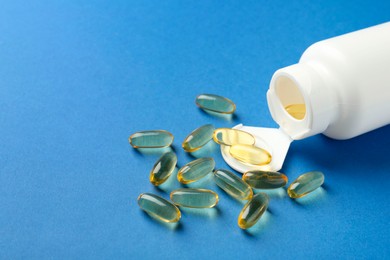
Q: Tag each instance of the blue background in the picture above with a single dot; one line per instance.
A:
(78, 77)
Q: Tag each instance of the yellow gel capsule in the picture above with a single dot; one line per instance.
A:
(265, 179)
(163, 168)
(228, 136)
(195, 170)
(250, 154)
(298, 111)
(305, 184)
(253, 210)
(194, 198)
(233, 185)
(158, 207)
(151, 139)
(198, 138)
(215, 103)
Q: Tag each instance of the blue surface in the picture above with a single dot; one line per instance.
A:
(78, 77)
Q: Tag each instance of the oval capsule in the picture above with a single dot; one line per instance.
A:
(228, 136)
(298, 111)
(194, 198)
(233, 185)
(215, 103)
(163, 168)
(159, 207)
(305, 184)
(250, 154)
(198, 138)
(195, 170)
(253, 210)
(265, 179)
(151, 139)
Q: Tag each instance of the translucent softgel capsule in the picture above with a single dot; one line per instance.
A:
(198, 138)
(215, 103)
(253, 210)
(163, 168)
(194, 198)
(250, 154)
(232, 184)
(151, 139)
(195, 170)
(265, 179)
(158, 207)
(298, 111)
(228, 136)
(305, 184)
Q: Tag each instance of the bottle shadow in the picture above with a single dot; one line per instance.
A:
(361, 155)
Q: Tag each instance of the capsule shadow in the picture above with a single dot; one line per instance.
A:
(278, 193)
(260, 226)
(225, 117)
(201, 212)
(316, 196)
(177, 226)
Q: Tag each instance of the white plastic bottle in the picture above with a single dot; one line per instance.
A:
(342, 82)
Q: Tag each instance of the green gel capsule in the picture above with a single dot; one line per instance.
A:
(158, 207)
(228, 136)
(198, 138)
(233, 185)
(195, 170)
(215, 103)
(194, 198)
(151, 139)
(265, 179)
(305, 184)
(163, 168)
(253, 210)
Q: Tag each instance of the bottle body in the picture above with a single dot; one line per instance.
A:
(343, 83)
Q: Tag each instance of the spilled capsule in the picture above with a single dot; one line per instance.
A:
(215, 103)
(198, 138)
(194, 198)
(253, 210)
(265, 179)
(232, 185)
(250, 154)
(298, 111)
(305, 184)
(158, 207)
(163, 168)
(195, 170)
(228, 136)
(151, 139)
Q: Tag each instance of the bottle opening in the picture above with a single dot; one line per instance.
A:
(290, 97)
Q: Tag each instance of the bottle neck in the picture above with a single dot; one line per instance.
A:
(301, 101)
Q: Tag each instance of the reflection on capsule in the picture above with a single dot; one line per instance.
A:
(195, 170)
(253, 210)
(198, 138)
(228, 136)
(305, 184)
(151, 139)
(159, 208)
(232, 184)
(250, 154)
(265, 179)
(194, 198)
(163, 168)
